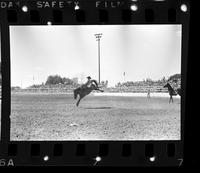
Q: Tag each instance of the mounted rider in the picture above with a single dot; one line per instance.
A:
(89, 82)
(86, 89)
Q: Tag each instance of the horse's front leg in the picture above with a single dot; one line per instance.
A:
(170, 99)
(99, 90)
(78, 101)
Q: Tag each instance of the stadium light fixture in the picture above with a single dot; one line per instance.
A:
(98, 37)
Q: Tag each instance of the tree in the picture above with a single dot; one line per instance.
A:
(163, 79)
(175, 78)
(67, 81)
(75, 80)
(104, 83)
(54, 79)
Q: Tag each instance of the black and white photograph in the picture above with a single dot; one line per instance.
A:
(95, 82)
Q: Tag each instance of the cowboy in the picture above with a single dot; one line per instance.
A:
(87, 84)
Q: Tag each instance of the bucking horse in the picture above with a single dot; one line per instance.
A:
(172, 92)
(84, 91)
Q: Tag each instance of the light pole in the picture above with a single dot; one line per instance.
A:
(98, 36)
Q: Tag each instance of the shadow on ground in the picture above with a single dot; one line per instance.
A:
(98, 107)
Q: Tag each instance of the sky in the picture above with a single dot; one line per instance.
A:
(127, 52)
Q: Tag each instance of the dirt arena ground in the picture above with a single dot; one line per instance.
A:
(55, 117)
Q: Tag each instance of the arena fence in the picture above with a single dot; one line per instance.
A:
(132, 89)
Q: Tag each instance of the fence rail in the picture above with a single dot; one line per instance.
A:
(134, 89)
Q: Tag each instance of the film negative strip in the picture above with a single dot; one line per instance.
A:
(93, 83)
